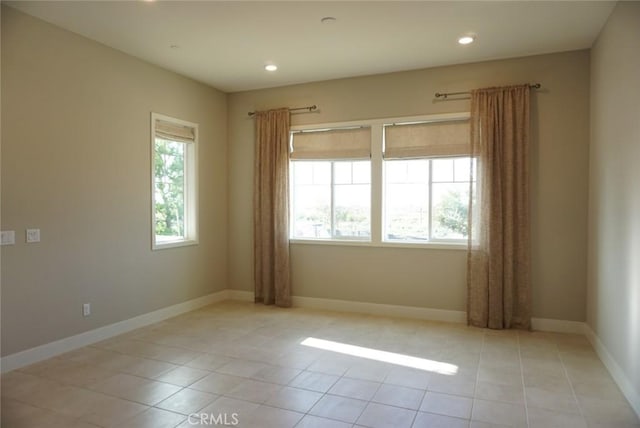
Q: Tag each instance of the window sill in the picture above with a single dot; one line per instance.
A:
(457, 246)
(174, 244)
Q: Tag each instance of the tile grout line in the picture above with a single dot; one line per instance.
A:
(475, 386)
(524, 390)
(573, 391)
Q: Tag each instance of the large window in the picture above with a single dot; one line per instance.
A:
(400, 182)
(174, 186)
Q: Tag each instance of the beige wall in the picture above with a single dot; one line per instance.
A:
(429, 277)
(614, 192)
(76, 164)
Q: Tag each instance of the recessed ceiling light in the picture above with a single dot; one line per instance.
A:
(271, 67)
(465, 40)
(328, 20)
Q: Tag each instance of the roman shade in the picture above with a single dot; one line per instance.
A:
(174, 131)
(346, 143)
(426, 139)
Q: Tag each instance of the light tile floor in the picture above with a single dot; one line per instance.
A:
(246, 365)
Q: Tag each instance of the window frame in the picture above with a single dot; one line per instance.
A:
(332, 188)
(190, 186)
(429, 185)
(378, 185)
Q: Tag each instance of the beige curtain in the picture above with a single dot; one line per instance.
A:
(499, 267)
(271, 208)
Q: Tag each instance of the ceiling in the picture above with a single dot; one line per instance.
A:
(227, 43)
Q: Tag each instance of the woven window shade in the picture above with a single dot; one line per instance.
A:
(175, 132)
(430, 139)
(332, 144)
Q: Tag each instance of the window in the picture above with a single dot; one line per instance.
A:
(384, 182)
(426, 199)
(330, 181)
(331, 199)
(427, 173)
(174, 185)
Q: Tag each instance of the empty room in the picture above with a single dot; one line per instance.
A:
(317, 214)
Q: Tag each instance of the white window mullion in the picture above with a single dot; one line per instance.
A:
(376, 183)
(430, 196)
(333, 198)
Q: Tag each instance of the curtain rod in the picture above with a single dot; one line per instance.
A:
(445, 95)
(308, 108)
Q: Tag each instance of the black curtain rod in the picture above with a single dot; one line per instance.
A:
(308, 108)
(445, 95)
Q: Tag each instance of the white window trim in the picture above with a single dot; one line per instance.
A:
(191, 187)
(377, 184)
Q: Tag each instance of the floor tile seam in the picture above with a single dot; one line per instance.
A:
(190, 389)
(524, 391)
(138, 414)
(75, 418)
(397, 406)
(475, 386)
(95, 391)
(573, 391)
(81, 417)
(140, 377)
(144, 357)
(112, 395)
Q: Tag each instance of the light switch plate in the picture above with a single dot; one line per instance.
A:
(8, 237)
(33, 235)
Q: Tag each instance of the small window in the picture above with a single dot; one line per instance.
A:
(174, 182)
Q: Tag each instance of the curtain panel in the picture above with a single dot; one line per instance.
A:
(271, 208)
(498, 263)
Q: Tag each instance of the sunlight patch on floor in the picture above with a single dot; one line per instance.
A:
(384, 356)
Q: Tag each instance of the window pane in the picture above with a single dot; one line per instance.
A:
(406, 200)
(417, 171)
(302, 172)
(462, 168)
(395, 171)
(442, 170)
(362, 172)
(321, 172)
(312, 211)
(169, 194)
(342, 172)
(352, 210)
(311, 202)
(450, 210)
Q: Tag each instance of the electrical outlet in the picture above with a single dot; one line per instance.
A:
(33, 235)
(86, 309)
(8, 237)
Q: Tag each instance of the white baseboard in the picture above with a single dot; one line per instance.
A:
(380, 309)
(618, 375)
(241, 295)
(557, 326)
(48, 350)
(39, 353)
(430, 314)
